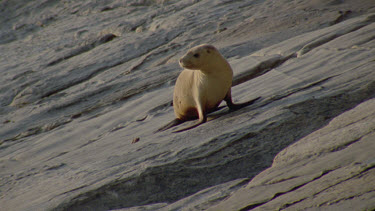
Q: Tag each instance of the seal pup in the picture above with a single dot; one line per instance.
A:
(203, 84)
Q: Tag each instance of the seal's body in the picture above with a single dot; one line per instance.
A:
(203, 84)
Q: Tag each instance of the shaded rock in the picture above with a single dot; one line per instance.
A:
(332, 168)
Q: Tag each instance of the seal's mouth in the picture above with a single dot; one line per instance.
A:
(186, 64)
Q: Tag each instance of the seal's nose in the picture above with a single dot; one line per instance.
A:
(180, 61)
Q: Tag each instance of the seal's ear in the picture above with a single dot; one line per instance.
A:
(208, 51)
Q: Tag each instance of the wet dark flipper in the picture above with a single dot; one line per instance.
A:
(233, 106)
(200, 121)
(190, 127)
(173, 123)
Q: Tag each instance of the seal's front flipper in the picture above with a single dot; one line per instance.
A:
(201, 120)
(190, 127)
(173, 123)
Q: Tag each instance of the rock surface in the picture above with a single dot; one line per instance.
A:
(86, 83)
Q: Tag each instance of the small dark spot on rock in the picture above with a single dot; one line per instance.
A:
(135, 140)
(221, 30)
(342, 16)
(107, 38)
(141, 119)
(74, 116)
(106, 9)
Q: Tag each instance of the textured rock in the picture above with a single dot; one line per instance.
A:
(85, 84)
(330, 169)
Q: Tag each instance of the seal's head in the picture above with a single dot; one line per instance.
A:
(201, 57)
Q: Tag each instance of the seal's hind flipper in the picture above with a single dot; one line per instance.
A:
(233, 106)
(173, 123)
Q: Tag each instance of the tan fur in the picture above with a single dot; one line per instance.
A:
(203, 84)
(205, 81)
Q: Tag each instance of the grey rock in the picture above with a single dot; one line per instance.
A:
(331, 169)
(80, 80)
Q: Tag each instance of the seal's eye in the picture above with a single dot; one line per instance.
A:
(196, 55)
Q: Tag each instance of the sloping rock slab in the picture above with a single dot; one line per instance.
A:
(85, 85)
(331, 169)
